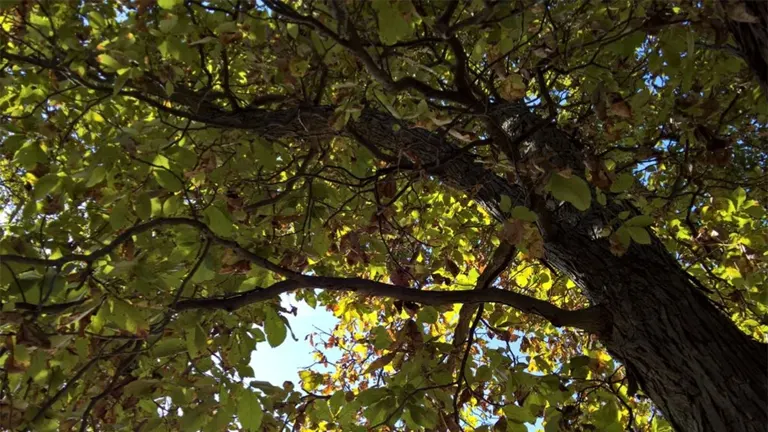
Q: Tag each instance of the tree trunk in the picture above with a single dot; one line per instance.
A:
(699, 369)
(748, 23)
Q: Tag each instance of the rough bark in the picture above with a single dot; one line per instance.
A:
(694, 363)
(748, 23)
(700, 370)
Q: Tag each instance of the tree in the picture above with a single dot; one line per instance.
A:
(518, 210)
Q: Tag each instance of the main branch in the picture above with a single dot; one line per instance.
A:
(590, 319)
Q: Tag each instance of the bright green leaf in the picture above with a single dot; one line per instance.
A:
(274, 327)
(249, 411)
(169, 4)
(45, 184)
(97, 176)
(571, 189)
(219, 222)
(167, 180)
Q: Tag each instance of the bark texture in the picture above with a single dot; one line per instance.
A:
(748, 23)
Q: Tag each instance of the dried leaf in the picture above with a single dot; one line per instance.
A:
(30, 334)
(621, 109)
(380, 362)
(513, 231)
(400, 277)
(513, 87)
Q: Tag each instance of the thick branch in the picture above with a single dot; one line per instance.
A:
(587, 319)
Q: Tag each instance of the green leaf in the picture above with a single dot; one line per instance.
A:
(392, 26)
(118, 216)
(120, 82)
(639, 221)
(293, 30)
(109, 61)
(143, 206)
(128, 317)
(320, 244)
(45, 184)
(168, 4)
(518, 414)
(218, 221)
(608, 416)
(167, 180)
(249, 411)
(523, 214)
(639, 235)
(168, 23)
(422, 417)
(168, 347)
(739, 195)
(171, 205)
(97, 176)
(274, 327)
(622, 183)
(505, 204)
(483, 373)
(321, 411)
(336, 401)
(29, 155)
(428, 314)
(571, 189)
(196, 340)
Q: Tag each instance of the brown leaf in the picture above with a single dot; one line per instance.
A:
(238, 268)
(11, 317)
(411, 307)
(616, 246)
(465, 396)
(380, 362)
(513, 87)
(30, 334)
(400, 277)
(128, 250)
(386, 188)
(621, 109)
(534, 242)
(12, 367)
(500, 425)
(228, 38)
(512, 232)
(452, 266)
(413, 333)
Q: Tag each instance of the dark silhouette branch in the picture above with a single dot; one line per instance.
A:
(590, 319)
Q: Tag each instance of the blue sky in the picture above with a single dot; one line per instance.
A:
(277, 365)
(283, 363)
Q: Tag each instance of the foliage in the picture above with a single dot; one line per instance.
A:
(161, 201)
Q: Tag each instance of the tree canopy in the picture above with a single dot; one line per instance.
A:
(501, 201)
